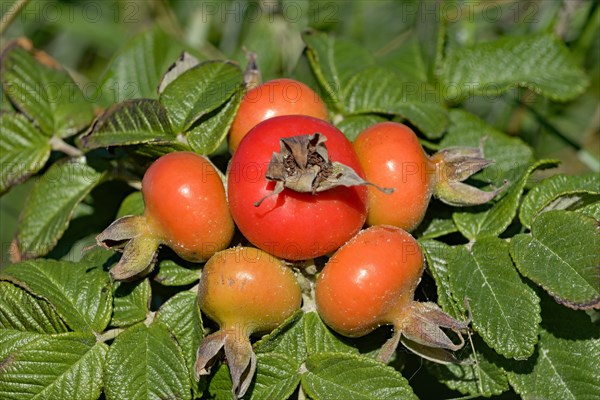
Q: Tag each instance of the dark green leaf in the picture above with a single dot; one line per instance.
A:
(334, 61)
(44, 92)
(352, 125)
(80, 293)
(47, 211)
(566, 364)
(506, 312)
(67, 366)
(277, 377)
(146, 363)
(136, 71)
(207, 136)
(23, 312)
(539, 62)
(288, 339)
(23, 150)
(198, 91)
(172, 274)
(319, 338)
(559, 192)
(438, 227)
(130, 122)
(346, 376)
(495, 220)
(131, 302)
(378, 90)
(561, 255)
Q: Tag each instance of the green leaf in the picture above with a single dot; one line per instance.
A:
(334, 61)
(559, 192)
(51, 203)
(137, 69)
(207, 136)
(67, 366)
(566, 365)
(131, 302)
(172, 274)
(438, 255)
(353, 125)
(80, 293)
(276, 377)
(133, 204)
(438, 227)
(288, 339)
(24, 150)
(319, 338)
(495, 220)
(146, 363)
(506, 311)
(565, 262)
(181, 315)
(198, 91)
(130, 122)
(378, 90)
(44, 92)
(346, 376)
(11, 340)
(23, 312)
(481, 374)
(541, 63)
(219, 386)
(511, 155)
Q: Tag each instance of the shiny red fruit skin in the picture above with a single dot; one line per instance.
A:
(185, 205)
(391, 156)
(292, 225)
(370, 281)
(271, 99)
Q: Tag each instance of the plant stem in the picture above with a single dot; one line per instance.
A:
(60, 145)
(11, 14)
(109, 335)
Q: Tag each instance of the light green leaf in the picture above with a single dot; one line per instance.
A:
(493, 221)
(181, 315)
(207, 136)
(334, 61)
(378, 90)
(287, 339)
(11, 340)
(131, 302)
(130, 122)
(137, 69)
(67, 366)
(276, 377)
(23, 312)
(146, 363)
(44, 92)
(565, 262)
(559, 192)
(319, 338)
(541, 63)
(80, 292)
(566, 364)
(219, 386)
(198, 91)
(353, 125)
(481, 374)
(506, 312)
(133, 204)
(51, 203)
(346, 376)
(24, 150)
(438, 255)
(172, 274)
(511, 155)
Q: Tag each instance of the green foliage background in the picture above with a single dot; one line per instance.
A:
(523, 74)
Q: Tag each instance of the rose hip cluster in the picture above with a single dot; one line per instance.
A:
(297, 189)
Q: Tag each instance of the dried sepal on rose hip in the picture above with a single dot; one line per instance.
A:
(391, 155)
(185, 208)
(371, 281)
(246, 291)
